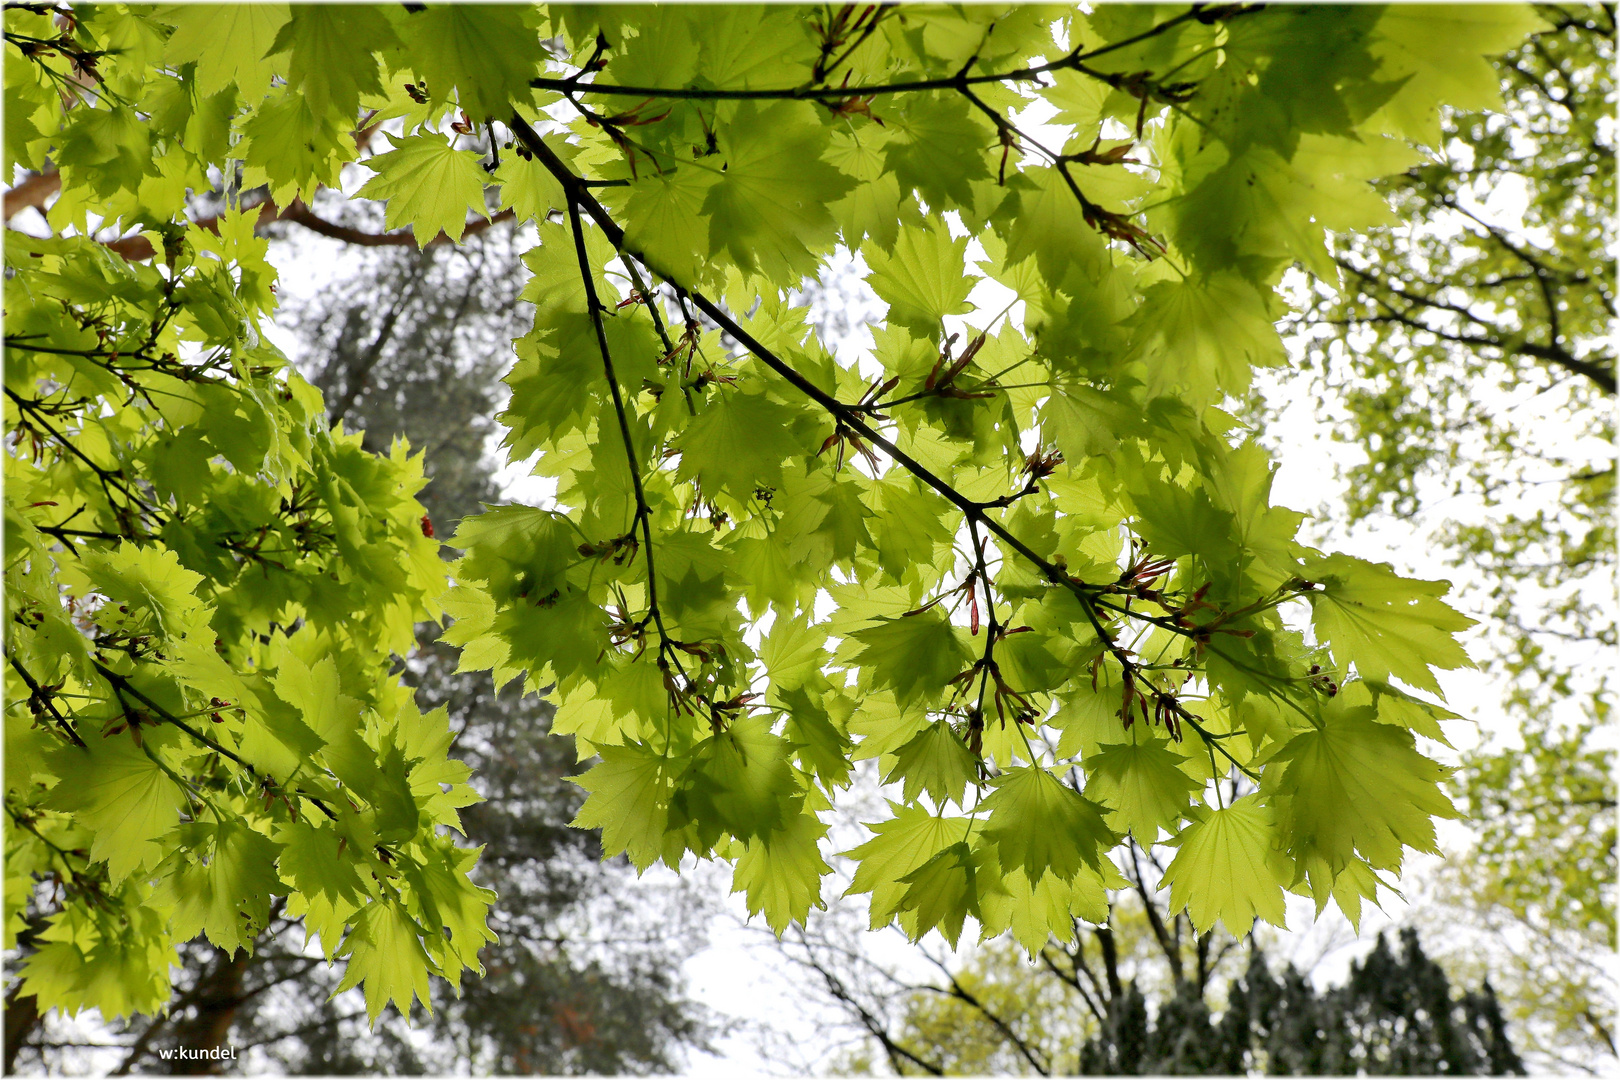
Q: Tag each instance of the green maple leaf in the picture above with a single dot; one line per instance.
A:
(1251, 213)
(664, 220)
(821, 744)
(663, 54)
(935, 761)
(693, 582)
(516, 551)
(115, 969)
(1229, 867)
(924, 279)
(429, 185)
(1036, 912)
(1176, 522)
(759, 46)
(872, 210)
(1438, 53)
(793, 651)
(780, 873)
(488, 52)
(144, 580)
(629, 792)
(768, 211)
(385, 954)
(123, 797)
(899, 846)
(737, 443)
(230, 43)
(1397, 707)
(1204, 337)
(739, 781)
(1385, 624)
(333, 717)
(227, 896)
(312, 862)
(563, 634)
(1088, 717)
(528, 188)
(1038, 823)
(332, 47)
(1142, 784)
(452, 906)
(939, 149)
(1079, 101)
(915, 655)
(910, 526)
(294, 149)
(1050, 225)
(941, 893)
(1355, 786)
(1082, 420)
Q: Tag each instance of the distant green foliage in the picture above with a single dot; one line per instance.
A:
(1040, 532)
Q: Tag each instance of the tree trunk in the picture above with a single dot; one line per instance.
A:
(22, 1017)
(209, 1027)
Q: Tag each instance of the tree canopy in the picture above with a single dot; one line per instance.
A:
(1023, 557)
(585, 975)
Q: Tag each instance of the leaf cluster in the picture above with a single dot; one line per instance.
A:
(1026, 561)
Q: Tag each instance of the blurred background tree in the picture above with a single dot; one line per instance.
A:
(586, 975)
(1117, 1002)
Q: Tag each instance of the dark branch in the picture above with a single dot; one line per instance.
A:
(851, 418)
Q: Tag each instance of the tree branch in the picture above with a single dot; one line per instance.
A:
(962, 993)
(643, 511)
(851, 418)
(39, 694)
(1171, 952)
(1073, 61)
(32, 192)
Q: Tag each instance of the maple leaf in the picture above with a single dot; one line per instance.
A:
(1385, 624)
(1038, 823)
(450, 46)
(429, 185)
(916, 655)
(123, 796)
(226, 893)
(1355, 786)
(739, 781)
(1228, 866)
(386, 959)
(935, 761)
(331, 51)
(899, 846)
(769, 209)
(627, 802)
(780, 873)
(1141, 784)
(923, 278)
(230, 43)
